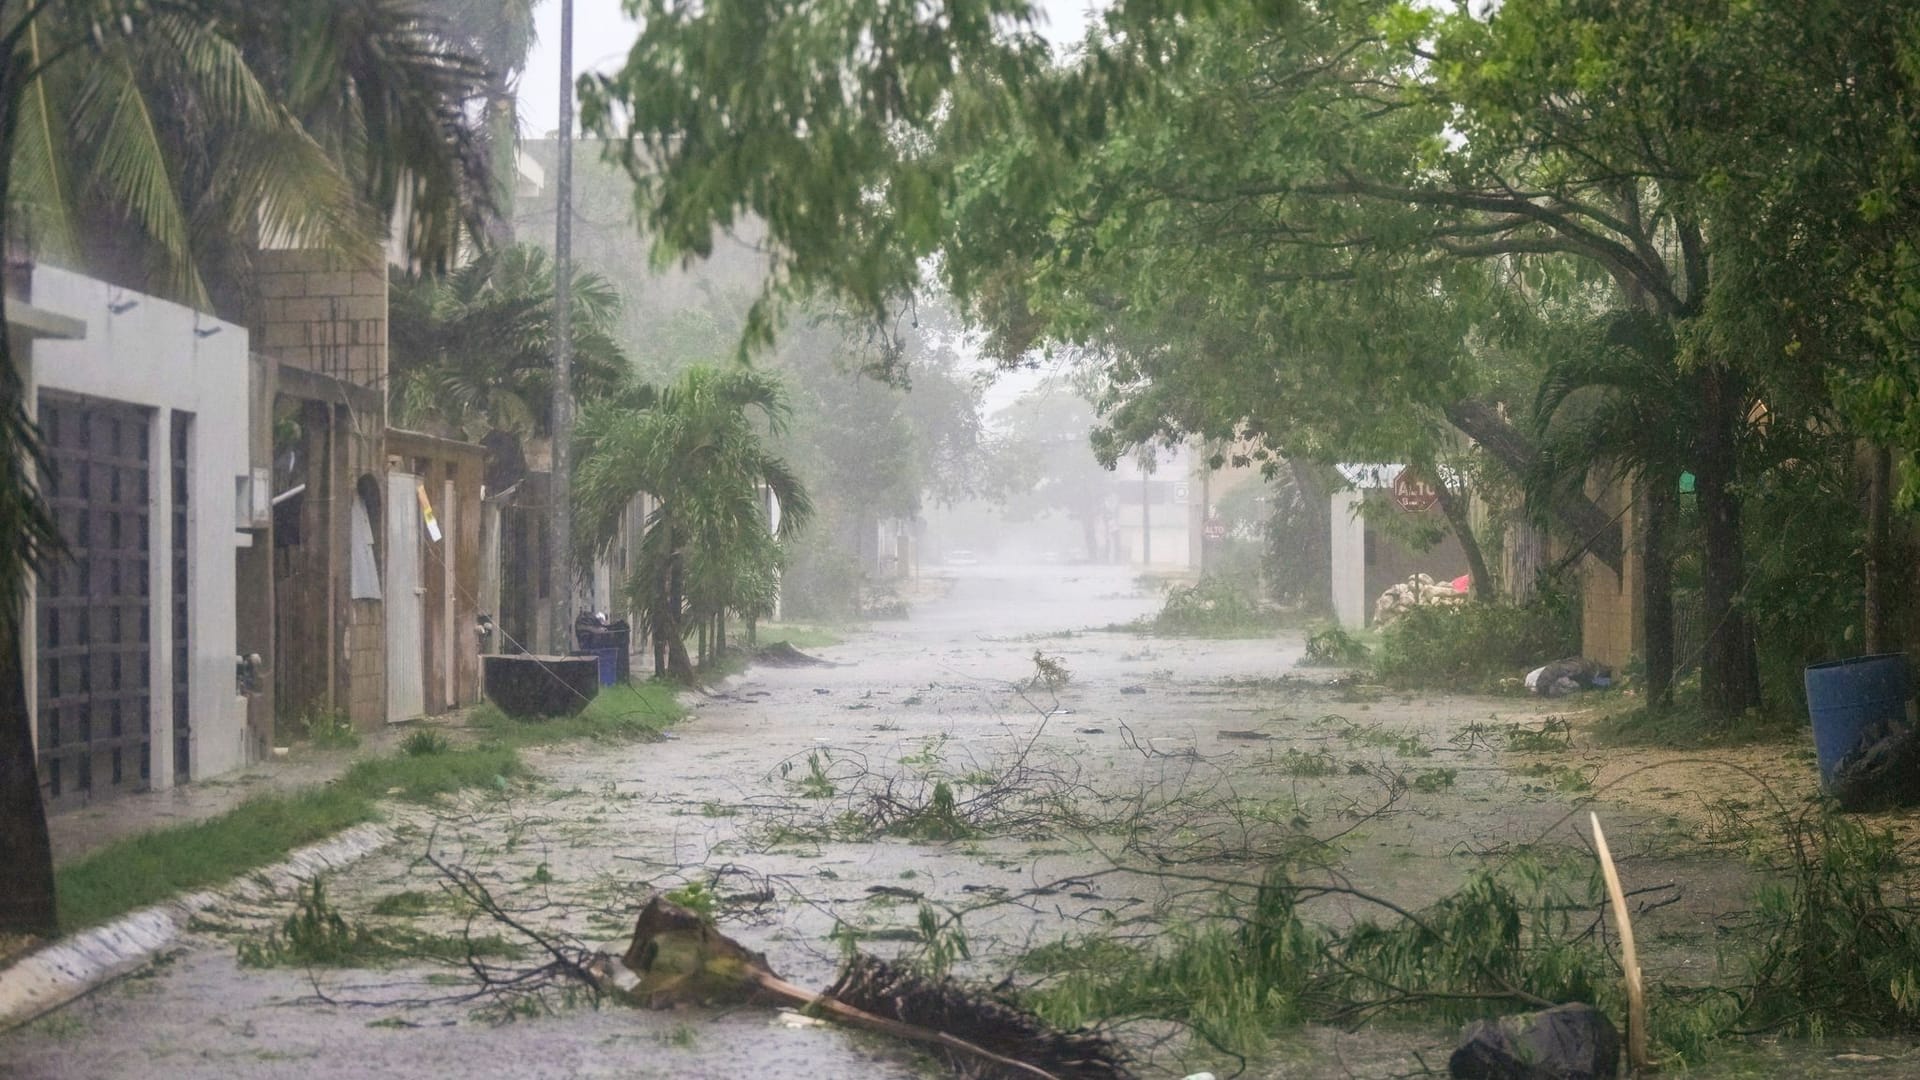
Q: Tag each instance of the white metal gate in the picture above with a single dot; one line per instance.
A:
(406, 685)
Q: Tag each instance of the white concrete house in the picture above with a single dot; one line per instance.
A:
(130, 662)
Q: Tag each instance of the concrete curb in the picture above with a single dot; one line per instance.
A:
(58, 973)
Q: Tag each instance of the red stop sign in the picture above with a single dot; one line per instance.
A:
(1413, 493)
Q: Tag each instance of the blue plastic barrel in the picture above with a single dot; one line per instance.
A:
(609, 665)
(1847, 697)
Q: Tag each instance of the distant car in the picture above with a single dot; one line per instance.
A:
(961, 557)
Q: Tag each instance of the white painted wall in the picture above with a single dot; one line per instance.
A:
(1349, 547)
(150, 354)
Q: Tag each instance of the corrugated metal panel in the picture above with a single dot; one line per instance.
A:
(406, 684)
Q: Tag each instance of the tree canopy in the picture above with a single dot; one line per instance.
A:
(1345, 228)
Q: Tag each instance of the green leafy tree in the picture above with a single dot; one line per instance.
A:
(698, 449)
(880, 428)
(1365, 196)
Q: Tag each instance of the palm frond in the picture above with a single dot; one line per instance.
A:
(40, 180)
(128, 163)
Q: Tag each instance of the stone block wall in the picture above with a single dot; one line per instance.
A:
(321, 313)
(365, 649)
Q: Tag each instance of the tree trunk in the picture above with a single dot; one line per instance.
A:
(720, 634)
(679, 664)
(27, 886)
(657, 630)
(658, 626)
(1525, 555)
(1589, 527)
(1877, 614)
(1656, 584)
(1454, 505)
(1726, 676)
(26, 889)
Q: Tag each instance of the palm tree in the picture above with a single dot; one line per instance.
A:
(167, 159)
(697, 447)
(500, 33)
(472, 353)
(1618, 407)
(197, 126)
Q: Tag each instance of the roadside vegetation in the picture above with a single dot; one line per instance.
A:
(638, 711)
(152, 866)
(317, 934)
(1475, 647)
(1828, 951)
(799, 635)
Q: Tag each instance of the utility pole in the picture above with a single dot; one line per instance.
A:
(561, 487)
(1146, 515)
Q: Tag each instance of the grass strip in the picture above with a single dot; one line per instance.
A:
(148, 867)
(619, 713)
(798, 635)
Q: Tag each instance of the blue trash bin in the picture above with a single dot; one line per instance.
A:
(609, 665)
(1847, 697)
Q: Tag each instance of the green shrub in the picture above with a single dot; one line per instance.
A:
(821, 581)
(1214, 606)
(1334, 647)
(424, 743)
(1474, 646)
(1838, 942)
(328, 730)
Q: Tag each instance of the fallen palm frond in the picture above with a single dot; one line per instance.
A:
(875, 986)
(677, 957)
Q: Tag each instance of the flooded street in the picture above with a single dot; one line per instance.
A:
(1118, 797)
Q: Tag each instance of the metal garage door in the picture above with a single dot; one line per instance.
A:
(93, 611)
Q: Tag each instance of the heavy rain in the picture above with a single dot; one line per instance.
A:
(1079, 539)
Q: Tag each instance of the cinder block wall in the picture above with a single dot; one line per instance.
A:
(322, 313)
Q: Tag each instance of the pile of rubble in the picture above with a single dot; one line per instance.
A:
(1420, 590)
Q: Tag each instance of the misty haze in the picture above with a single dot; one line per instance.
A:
(1029, 539)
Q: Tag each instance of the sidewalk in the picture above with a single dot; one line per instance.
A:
(77, 833)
